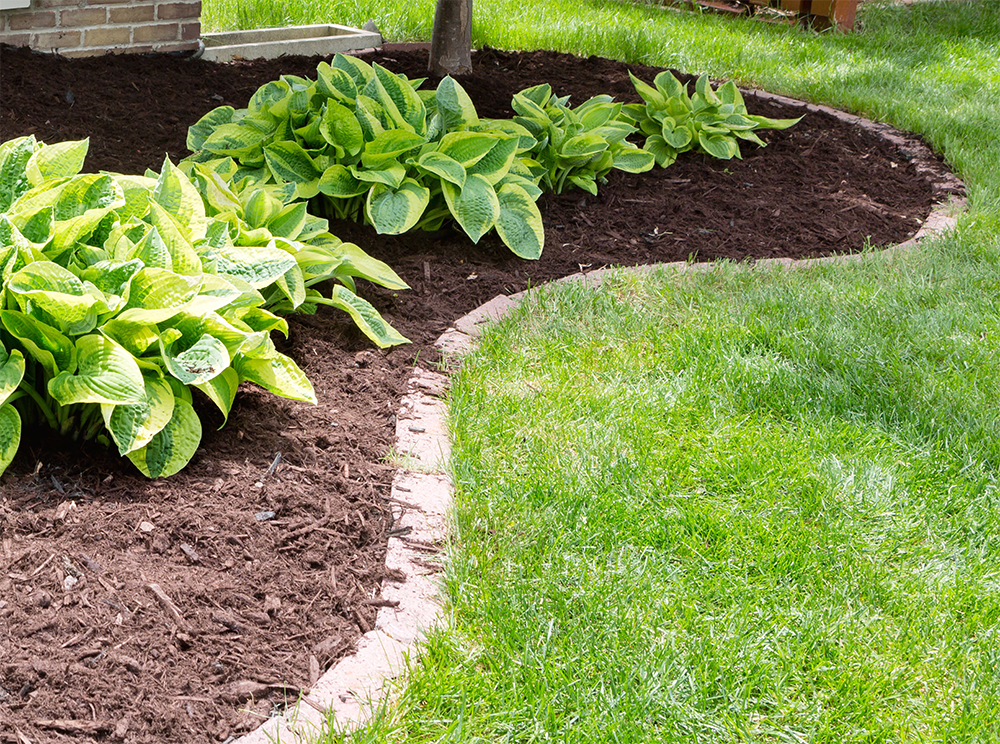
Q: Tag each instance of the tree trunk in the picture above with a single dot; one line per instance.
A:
(451, 40)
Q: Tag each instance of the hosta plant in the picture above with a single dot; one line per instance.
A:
(121, 295)
(577, 146)
(711, 121)
(365, 143)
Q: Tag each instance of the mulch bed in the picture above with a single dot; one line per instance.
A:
(190, 609)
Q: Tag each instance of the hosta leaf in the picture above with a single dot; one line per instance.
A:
(107, 373)
(664, 154)
(10, 435)
(442, 166)
(11, 372)
(475, 206)
(289, 222)
(394, 211)
(157, 295)
(764, 123)
(14, 157)
(453, 103)
(520, 223)
(366, 317)
(391, 175)
(58, 293)
(359, 70)
(387, 146)
(278, 374)
(678, 138)
(268, 96)
(133, 426)
(136, 338)
(203, 128)
(112, 277)
(61, 160)
(182, 253)
(339, 182)
(652, 96)
(355, 262)
(258, 266)
(221, 390)
(467, 148)
(583, 146)
(400, 100)
(669, 85)
(369, 115)
(260, 207)
(178, 196)
(703, 87)
(138, 192)
(339, 126)
(241, 139)
(173, 446)
(632, 159)
(198, 363)
(584, 181)
(151, 251)
(723, 147)
(292, 285)
(335, 83)
(46, 345)
(497, 162)
(289, 162)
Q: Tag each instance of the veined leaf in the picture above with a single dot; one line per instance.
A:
(258, 266)
(335, 83)
(359, 70)
(173, 446)
(133, 426)
(289, 162)
(394, 211)
(366, 317)
(10, 435)
(392, 174)
(400, 100)
(11, 372)
(289, 222)
(292, 284)
(203, 128)
(467, 148)
(632, 160)
(277, 373)
(182, 253)
(157, 295)
(339, 182)
(14, 157)
(58, 292)
(453, 103)
(520, 223)
(388, 145)
(46, 345)
(442, 166)
(723, 146)
(476, 206)
(260, 207)
(136, 338)
(198, 363)
(221, 390)
(61, 160)
(339, 126)
(497, 162)
(355, 262)
(107, 373)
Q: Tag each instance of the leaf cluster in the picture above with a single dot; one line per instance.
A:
(371, 145)
(120, 295)
(577, 146)
(710, 121)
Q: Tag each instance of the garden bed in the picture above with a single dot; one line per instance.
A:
(270, 544)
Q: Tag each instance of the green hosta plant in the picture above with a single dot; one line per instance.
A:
(577, 146)
(120, 295)
(369, 145)
(711, 121)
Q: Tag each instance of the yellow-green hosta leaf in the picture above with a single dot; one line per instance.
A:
(632, 160)
(475, 207)
(240, 139)
(46, 345)
(664, 154)
(388, 146)
(173, 446)
(35, 225)
(11, 372)
(278, 374)
(134, 337)
(14, 157)
(203, 128)
(221, 390)
(10, 435)
(352, 261)
(467, 148)
(289, 222)
(340, 183)
(292, 284)
(400, 101)
(133, 426)
(258, 266)
(216, 292)
(61, 160)
(369, 115)
(107, 373)
(453, 103)
(366, 317)
(58, 293)
(668, 85)
(678, 138)
(719, 146)
(289, 162)
(394, 211)
(197, 364)
(179, 197)
(442, 166)
(339, 127)
(260, 207)
(359, 70)
(335, 83)
(182, 253)
(497, 162)
(151, 251)
(520, 223)
(157, 295)
(392, 175)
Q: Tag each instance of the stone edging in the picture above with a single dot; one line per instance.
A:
(421, 493)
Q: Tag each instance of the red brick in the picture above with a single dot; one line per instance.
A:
(57, 40)
(17, 40)
(24, 21)
(135, 14)
(105, 37)
(84, 17)
(55, 3)
(191, 31)
(176, 11)
(158, 32)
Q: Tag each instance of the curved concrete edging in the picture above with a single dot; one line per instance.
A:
(421, 495)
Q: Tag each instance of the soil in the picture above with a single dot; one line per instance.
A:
(190, 609)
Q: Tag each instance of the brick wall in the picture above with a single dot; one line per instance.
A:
(77, 28)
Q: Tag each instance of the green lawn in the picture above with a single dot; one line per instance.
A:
(735, 505)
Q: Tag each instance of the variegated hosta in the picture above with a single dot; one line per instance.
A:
(119, 295)
(370, 145)
(711, 121)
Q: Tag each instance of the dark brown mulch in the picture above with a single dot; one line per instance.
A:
(268, 569)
